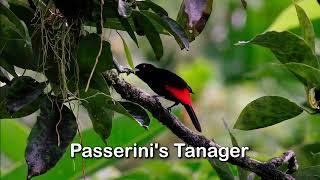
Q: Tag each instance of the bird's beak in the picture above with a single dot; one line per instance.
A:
(136, 69)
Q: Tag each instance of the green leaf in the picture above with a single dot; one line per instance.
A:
(49, 138)
(101, 106)
(128, 28)
(87, 52)
(138, 112)
(128, 53)
(309, 173)
(172, 27)
(13, 135)
(288, 18)
(308, 154)
(150, 32)
(146, 5)
(286, 46)
(100, 115)
(22, 10)
(8, 67)
(308, 73)
(266, 111)
(23, 91)
(193, 16)
(222, 169)
(71, 168)
(15, 42)
(306, 27)
(243, 174)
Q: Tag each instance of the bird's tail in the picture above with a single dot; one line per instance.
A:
(193, 117)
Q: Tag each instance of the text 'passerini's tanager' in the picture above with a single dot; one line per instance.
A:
(170, 86)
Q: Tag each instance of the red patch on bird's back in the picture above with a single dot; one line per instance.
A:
(182, 95)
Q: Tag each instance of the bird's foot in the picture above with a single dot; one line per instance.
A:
(169, 108)
(122, 69)
(157, 96)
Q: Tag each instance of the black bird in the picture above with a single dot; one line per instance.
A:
(170, 86)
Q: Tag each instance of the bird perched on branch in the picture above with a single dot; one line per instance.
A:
(170, 86)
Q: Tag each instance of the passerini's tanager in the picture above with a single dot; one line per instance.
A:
(170, 86)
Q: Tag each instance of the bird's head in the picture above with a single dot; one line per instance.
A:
(144, 70)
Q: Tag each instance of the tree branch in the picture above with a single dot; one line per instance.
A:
(267, 170)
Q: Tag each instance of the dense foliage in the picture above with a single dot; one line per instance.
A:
(55, 39)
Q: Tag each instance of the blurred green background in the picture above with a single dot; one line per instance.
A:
(224, 77)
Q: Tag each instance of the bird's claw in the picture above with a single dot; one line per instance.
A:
(156, 96)
(169, 108)
(127, 71)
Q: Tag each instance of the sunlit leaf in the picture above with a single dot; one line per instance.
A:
(49, 138)
(13, 135)
(306, 27)
(128, 53)
(193, 16)
(308, 73)
(288, 18)
(266, 111)
(286, 46)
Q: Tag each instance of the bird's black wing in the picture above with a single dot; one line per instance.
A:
(170, 78)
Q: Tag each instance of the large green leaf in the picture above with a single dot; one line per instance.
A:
(193, 16)
(23, 91)
(100, 115)
(87, 52)
(138, 112)
(69, 168)
(13, 136)
(8, 67)
(22, 10)
(49, 138)
(266, 111)
(128, 27)
(288, 18)
(28, 104)
(306, 27)
(146, 5)
(15, 42)
(172, 27)
(308, 73)
(286, 46)
(150, 31)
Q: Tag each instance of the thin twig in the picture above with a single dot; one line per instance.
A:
(101, 45)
